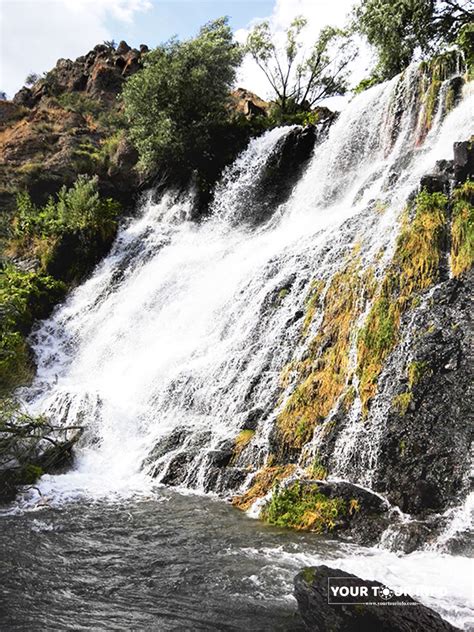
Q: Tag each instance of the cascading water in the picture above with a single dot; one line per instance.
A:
(183, 329)
(181, 335)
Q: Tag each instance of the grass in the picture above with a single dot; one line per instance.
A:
(241, 442)
(313, 302)
(303, 508)
(323, 375)
(262, 484)
(414, 268)
(462, 228)
(402, 402)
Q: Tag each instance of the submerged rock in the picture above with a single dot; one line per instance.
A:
(312, 594)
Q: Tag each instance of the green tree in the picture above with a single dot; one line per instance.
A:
(177, 101)
(401, 29)
(300, 81)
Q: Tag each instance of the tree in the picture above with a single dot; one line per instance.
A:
(177, 101)
(3, 96)
(31, 79)
(400, 30)
(300, 81)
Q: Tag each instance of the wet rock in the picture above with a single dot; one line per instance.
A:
(28, 451)
(464, 160)
(409, 536)
(252, 419)
(311, 592)
(435, 183)
(425, 451)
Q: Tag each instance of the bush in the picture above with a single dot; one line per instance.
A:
(76, 209)
(176, 104)
(24, 297)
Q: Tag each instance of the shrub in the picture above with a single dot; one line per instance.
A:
(78, 208)
(24, 297)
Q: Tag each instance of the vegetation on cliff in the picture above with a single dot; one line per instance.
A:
(64, 238)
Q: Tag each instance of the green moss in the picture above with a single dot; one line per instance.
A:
(263, 483)
(414, 268)
(416, 372)
(323, 375)
(313, 301)
(402, 402)
(304, 508)
(316, 470)
(241, 441)
(309, 575)
(462, 228)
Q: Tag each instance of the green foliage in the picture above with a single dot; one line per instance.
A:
(398, 29)
(24, 297)
(367, 83)
(416, 372)
(303, 507)
(78, 208)
(316, 470)
(176, 104)
(31, 79)
(300, 80)
(465, 41)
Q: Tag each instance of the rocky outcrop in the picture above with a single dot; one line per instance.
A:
(312, 594)
(368, 515)
(247, 103)
(426, 447)
(99, 74)
(68, 123)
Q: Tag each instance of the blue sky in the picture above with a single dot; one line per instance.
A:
(184, 17)
(34, 34)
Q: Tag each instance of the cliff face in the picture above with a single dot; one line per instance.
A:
(70, 122)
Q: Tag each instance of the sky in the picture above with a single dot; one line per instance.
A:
(34, 34)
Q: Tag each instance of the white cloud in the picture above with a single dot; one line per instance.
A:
(319, 13)
(36, 33)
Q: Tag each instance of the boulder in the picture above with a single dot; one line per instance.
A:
(312, 595)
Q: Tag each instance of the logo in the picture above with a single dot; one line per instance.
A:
(352, 590)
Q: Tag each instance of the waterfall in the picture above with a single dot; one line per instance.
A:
(179, 339)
